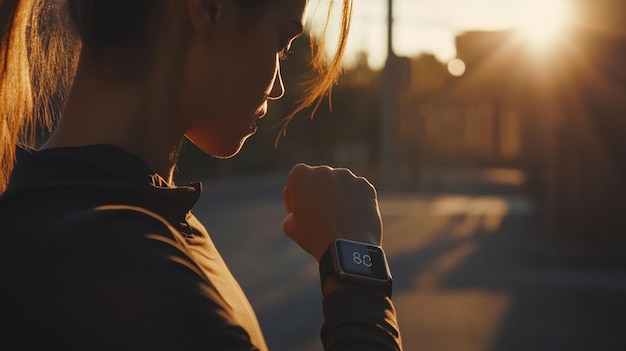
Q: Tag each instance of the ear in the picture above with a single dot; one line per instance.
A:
(205, 14)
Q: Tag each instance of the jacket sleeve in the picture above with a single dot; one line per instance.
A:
(359, 320)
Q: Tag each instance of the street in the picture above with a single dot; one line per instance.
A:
(471, 270)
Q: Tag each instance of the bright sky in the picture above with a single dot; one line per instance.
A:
(431, 25)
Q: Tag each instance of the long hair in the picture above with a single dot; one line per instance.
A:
(324, 75)
(16, 98)
(39, 49)
(38, 53)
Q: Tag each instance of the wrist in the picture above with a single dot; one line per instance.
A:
(331, 285)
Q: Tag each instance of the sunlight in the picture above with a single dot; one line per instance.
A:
(541, 22)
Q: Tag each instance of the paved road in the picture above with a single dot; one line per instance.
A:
(471, 271)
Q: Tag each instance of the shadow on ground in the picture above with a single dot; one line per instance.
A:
(488, 277)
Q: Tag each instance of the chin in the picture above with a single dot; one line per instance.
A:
(226, 145)
(224, 151)
(224, 155)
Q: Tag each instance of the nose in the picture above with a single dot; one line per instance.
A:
(278, 89)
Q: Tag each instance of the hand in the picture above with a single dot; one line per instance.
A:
(325, 203)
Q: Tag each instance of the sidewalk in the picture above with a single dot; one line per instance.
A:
(475, 272)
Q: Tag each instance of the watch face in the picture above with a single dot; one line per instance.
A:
(361, 259)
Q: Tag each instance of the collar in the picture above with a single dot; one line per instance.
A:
(111, 173)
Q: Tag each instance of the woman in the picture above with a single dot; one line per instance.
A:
(99, 247)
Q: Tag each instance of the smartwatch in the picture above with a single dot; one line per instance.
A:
(358, 264)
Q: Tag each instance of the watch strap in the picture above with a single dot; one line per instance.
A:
(327, 267)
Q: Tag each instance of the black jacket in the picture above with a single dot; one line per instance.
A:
(98, 253)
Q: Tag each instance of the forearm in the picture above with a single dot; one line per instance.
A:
(358, 319)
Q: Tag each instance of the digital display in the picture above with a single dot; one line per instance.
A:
(361, 259)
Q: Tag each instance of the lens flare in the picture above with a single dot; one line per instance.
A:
(456, 67)
(542, 22)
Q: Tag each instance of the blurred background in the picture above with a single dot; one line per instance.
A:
(495, 132)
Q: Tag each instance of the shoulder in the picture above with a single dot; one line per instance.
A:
(128, 247)
(126, 272)
(120, 247)
(116, 235)
(119, 218)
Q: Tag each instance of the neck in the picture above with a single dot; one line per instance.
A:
(138, 115)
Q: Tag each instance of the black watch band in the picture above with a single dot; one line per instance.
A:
(357, 264)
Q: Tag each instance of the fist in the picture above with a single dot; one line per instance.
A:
(325, 203)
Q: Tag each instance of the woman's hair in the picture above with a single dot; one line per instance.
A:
(40, 41)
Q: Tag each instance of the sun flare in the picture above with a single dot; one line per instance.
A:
(541, 22)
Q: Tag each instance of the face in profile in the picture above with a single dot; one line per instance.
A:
(235, 70)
